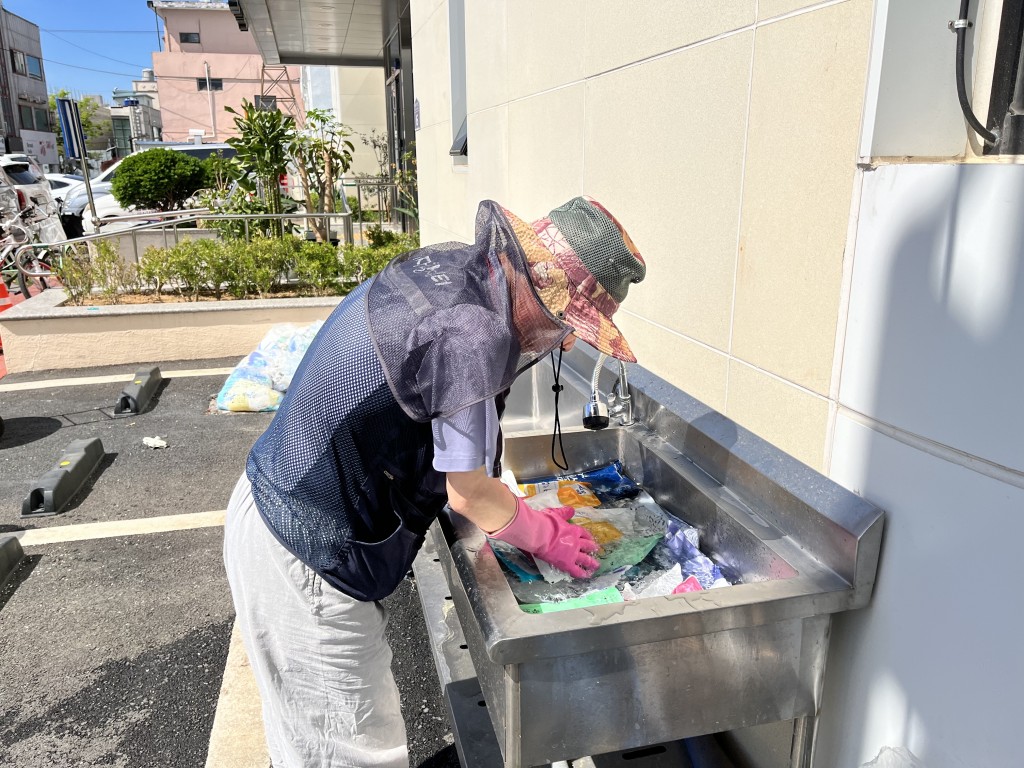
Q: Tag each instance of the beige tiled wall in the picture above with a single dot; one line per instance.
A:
(805, 106)
(360, 99)
(768, 9)
(722, 133)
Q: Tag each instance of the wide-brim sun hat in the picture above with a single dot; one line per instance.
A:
(582, 262)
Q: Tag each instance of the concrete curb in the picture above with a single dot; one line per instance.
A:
(40, 334)
(11, 554)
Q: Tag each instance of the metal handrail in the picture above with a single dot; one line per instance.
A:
(384, 188)
(174, 221)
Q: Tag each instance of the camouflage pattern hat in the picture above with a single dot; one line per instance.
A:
(582, 263)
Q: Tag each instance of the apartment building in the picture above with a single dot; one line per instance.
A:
(26, 114)
(135, 115)
(208, 64)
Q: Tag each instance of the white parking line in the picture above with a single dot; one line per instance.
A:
(112, 528)
(237, 738)
(24, 386)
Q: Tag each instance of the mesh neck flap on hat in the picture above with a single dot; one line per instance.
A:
(454, 324)
(599, 245)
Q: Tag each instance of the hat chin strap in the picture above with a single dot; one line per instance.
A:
(557, 433)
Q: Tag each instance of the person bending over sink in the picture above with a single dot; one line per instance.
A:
(394, 412)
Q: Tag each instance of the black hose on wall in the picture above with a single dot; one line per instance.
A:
(961, 86)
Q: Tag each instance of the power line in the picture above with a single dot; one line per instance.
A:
(102, 31)
(94, 53)
(88, 69)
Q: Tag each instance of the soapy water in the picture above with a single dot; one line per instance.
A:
(645, 550)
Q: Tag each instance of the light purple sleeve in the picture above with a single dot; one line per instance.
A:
(467, 439)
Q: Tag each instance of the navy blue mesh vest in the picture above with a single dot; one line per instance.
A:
(343, 476)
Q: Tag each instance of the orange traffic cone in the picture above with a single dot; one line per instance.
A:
(5, 302)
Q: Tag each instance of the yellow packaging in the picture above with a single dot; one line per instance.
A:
(561, 493)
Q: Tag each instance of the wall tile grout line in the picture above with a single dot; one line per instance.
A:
(682, 48)
(739, 215)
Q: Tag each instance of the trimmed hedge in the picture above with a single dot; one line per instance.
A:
(260, 268)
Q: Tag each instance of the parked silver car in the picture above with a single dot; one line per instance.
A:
(33, 196)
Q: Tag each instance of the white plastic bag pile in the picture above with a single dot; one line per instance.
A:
(259, 381)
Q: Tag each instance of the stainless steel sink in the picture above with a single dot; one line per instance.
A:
(581, 682)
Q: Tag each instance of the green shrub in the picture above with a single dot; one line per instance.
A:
(98, 266)
(160, 179)
(187, 268)
(260, 264)
(219, 171)
(318, 268)
(242, 269)
(378, 237)
(156, 270)
(75, 271)
(363, 262)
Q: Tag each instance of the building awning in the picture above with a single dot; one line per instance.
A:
(328, 32)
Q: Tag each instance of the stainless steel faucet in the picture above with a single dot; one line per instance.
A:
(597, 414)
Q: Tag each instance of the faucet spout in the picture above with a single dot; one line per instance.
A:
(620, 403)
(597, 414)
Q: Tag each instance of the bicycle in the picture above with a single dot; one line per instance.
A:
(15, 237)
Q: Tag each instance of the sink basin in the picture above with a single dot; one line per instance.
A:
(586, 681)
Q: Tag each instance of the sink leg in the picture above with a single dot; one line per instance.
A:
(805, 730)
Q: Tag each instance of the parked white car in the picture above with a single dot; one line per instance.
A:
(74, 215)
(61, 183)
(34, 197)
(107, 207)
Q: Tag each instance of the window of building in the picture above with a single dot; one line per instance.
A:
(27, 121)
(216, 84)
(42, 119)
(18, 62)
(35, 67)
(188, 38)
(268, 103)
(122, 135)
(457, 46)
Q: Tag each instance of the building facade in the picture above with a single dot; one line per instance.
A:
(834, 262)
(355, 95)
(208, 64)
(135, 115)
(26, 115)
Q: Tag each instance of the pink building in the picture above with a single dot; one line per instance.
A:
(207, 64)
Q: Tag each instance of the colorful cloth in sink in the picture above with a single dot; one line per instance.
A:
(609, 483)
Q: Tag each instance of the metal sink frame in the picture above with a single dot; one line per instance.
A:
(563, 685)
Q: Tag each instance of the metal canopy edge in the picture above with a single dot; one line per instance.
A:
(341, 37)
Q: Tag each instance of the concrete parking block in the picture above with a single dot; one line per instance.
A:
(10, 557)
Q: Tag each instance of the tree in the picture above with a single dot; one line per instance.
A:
(87, 107)
(322, 153)
(261, 149)
(157, 178)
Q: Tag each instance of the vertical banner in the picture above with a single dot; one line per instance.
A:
(74, 145)
(71, 129)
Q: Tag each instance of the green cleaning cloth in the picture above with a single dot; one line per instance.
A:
(598, 597)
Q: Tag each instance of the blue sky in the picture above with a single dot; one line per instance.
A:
(79, 36)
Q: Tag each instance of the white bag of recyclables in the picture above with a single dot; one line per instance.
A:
(260, 380)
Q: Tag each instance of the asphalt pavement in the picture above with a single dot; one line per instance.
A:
(113, 648)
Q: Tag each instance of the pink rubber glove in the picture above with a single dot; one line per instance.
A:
(548, 534)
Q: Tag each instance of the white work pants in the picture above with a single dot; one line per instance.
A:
(320, 657)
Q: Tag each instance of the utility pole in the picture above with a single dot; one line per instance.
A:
(213, 106)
